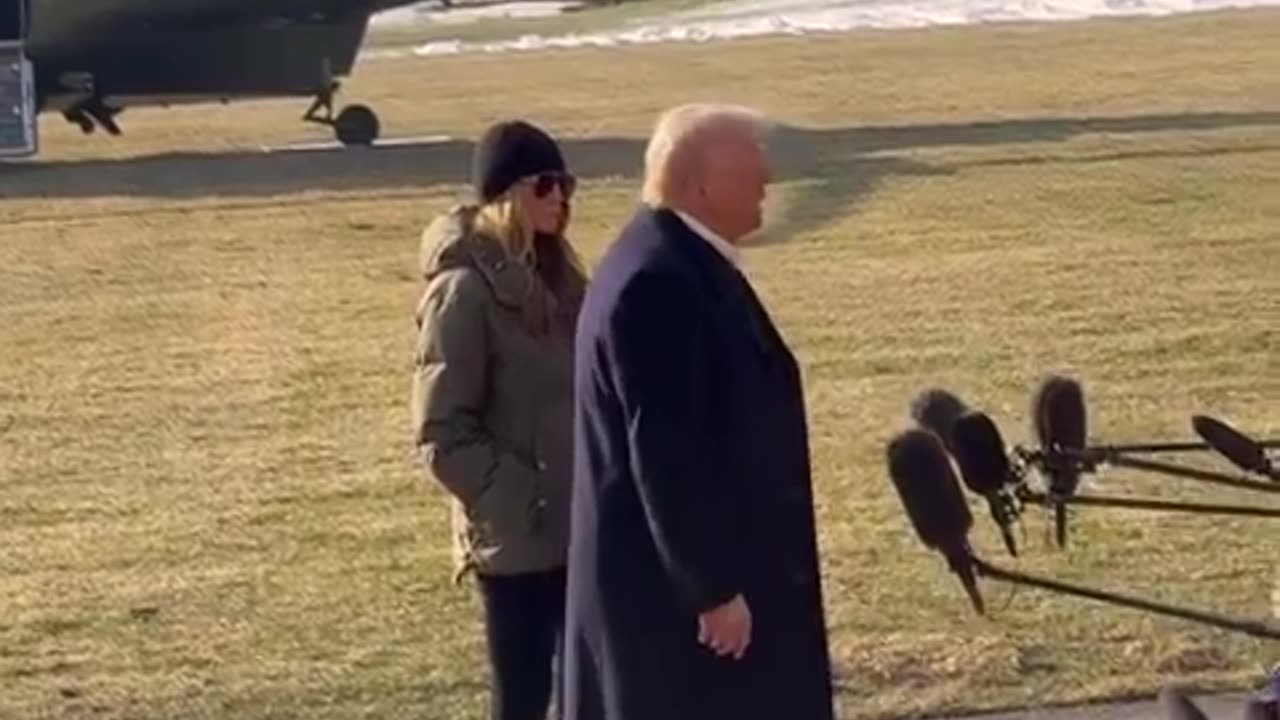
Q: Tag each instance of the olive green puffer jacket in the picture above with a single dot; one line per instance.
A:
(491, 403)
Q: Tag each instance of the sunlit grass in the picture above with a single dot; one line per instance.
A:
(210, 506)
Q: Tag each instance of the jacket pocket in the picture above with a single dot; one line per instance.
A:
(508, 512)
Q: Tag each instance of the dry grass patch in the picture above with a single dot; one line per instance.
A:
(208, 503)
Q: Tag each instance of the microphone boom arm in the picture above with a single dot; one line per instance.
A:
(1192, 473)
(1031, 496)
(1253, 628)
(1169, 447)
(1089, 458)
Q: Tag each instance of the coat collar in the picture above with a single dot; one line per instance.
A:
(730, 287)
(690, 244)
(724, 247)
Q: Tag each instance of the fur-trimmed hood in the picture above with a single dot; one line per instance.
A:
(451, 241)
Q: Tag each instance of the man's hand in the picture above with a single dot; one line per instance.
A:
(727, 629)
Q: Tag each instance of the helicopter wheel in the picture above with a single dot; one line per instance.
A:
(356, 125)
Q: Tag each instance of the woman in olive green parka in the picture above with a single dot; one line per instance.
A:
(492, 404)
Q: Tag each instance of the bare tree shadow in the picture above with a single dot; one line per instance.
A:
(840, 166)
(825, 197)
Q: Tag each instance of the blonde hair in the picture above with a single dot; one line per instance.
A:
(503, 220)
(672, 156)
(557, 273)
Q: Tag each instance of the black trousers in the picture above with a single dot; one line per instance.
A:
(524, 627)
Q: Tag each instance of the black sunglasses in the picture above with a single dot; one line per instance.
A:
(544, 182)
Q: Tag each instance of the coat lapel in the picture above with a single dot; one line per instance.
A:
(766, 332)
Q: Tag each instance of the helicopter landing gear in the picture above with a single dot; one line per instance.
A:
(354, 125)
(91, 114)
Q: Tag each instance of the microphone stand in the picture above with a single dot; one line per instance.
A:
(1033, 497)
(1089, 458)
(1189, 473)
(1169, 447)
(1255, 629)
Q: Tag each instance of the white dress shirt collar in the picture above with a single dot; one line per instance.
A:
(724, 247)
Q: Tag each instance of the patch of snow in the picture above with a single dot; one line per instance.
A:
(751, 18)
(434, 13)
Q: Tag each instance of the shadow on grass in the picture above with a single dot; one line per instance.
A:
(837, 165)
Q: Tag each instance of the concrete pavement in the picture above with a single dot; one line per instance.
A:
(1215, 707)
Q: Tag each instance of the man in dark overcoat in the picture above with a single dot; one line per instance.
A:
(694, 585)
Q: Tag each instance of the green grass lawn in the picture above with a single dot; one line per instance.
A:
(208, 503)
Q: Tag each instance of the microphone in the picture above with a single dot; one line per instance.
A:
(927, 487)
(936, 410)
(930, 493)
(984, 468)
(1061, 424)
(1254, 628)
(1243, 451)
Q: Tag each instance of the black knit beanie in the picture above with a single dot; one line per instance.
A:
(509, 151)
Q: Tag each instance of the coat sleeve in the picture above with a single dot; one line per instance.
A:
(664, 366)
(450, 390)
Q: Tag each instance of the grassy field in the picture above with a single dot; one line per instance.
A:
(208, 503)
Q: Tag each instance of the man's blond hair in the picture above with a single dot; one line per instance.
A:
(673, 154)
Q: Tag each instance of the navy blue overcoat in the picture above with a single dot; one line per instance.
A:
(691, 485)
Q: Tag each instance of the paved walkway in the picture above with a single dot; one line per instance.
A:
(1216, 707)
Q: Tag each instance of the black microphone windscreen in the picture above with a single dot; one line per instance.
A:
(1060, 414)
(984, 468)
(1234, 445)
(980, 453)
(927, 487)
(1061, 422)
(936, 410)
